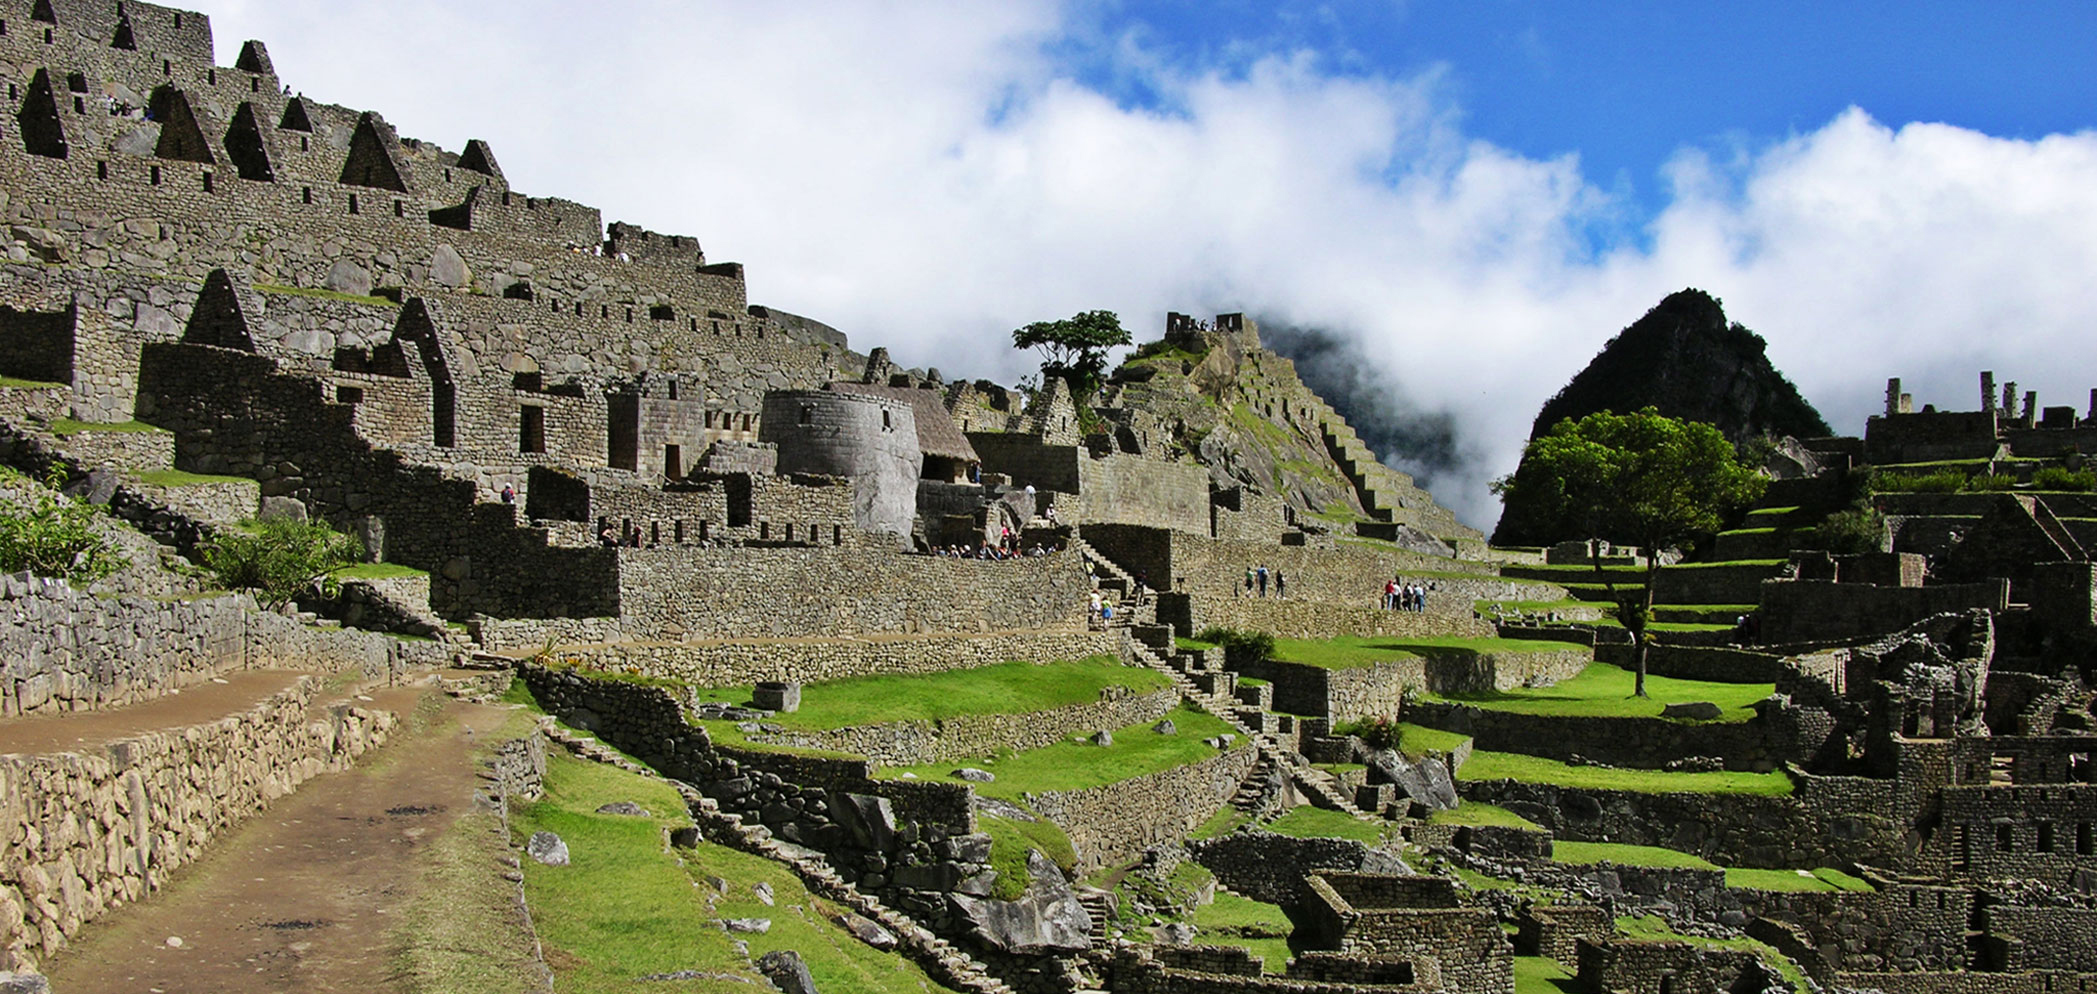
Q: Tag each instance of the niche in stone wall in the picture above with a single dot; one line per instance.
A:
(623, 431)
(181, 137)
(295, 117)
(531, 428)
(42, 131)
(416, 325)
(246, 147)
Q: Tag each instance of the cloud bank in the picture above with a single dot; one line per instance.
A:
(928, 176)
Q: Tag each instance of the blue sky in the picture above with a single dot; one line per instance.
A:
(1471, 197)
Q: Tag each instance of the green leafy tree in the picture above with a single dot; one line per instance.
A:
(1638, 479)
(51, 534)
(281, 558)
(1074, 348)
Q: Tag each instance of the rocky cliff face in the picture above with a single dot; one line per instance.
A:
(1684, 358)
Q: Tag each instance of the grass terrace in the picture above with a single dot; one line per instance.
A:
(624, 908)
(1824, 879)
(1475, 814)
(183, 478)
(17, 383)
(378, 571)
(1307, 822)
(1351, 651)
(1605, 691)
(1234, 920)
(1535, 769)
(1654, 929)
(68, 426)
(1078, 765)
(1003, 688)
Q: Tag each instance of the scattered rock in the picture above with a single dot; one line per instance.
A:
(1693, 710)
(974, 775)
(24, 983)
(1103, 737)
(786, 971)
(1166, 727)
(622, 808)
(764, 892)
(1175, 934)
(754, 926)
(286, 508)
(868, 931)
(547, 848)
(447, 268)
(347, 277)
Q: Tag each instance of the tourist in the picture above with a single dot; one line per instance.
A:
(1390, 594)
(1262, 574)
(1049, 512)
(1281, 585)
(509, 494)
(1092, 606)
(1248, 581)
(606, 537)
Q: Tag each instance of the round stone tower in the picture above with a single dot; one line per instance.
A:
(869, 439)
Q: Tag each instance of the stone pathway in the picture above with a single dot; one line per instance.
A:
(302, 896)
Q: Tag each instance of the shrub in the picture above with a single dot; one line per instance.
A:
(2056, 478)
(281, 558)
(1984, 482)
(1379, 732)
(1850, 532)
(1943, 481)
(54, 535)
(1240, 649)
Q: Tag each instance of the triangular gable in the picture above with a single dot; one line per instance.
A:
(479, 158)
(254, 58)
(371, 161)
(219, 319)
(124, 38)
(43, 12)
(295, 117)
(181, 137)
(43, 133)
(246, 147)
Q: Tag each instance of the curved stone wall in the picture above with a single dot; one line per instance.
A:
(871, 440)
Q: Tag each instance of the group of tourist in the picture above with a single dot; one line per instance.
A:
(610, 538)
(1399, 595)
(1257, 579)
(995, 553)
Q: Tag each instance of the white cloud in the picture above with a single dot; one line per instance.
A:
(925, 177)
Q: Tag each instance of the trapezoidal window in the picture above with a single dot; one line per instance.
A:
(531, 428)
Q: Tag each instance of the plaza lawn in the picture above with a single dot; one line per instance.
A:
(1350, 651)
(1234, 920)
(182, 478)
(1542, 975)
(1604, 691)
(1653, 929)
(1137, 751)
(1825, 878)
(1585, 853)
(1004, 688)
(1535, 769)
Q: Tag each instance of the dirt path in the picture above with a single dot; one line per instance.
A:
(302, 896)
(72, 731)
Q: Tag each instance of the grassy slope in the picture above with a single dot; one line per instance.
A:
(1474, 813)
(1004, 688)
(1243, 914)
(1136, 751)
(1318, 823)
(624, 908)
(1603, 690)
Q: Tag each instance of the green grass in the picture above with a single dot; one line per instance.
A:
(1535, 769)
(1823, 879)
(1308, 822)
(1225, 821)
(625, 908)
(378, 571)
(1010, 838)
(304, 291)
(1652, 928)
(1233, 920)
(68, 426)
(1542, 975)
(1004, 688)
(1533, 607)
(1192, 645)
(1418, 740)
(1585, 853)
(1483, 815)
(1137, 751)
(183, 478)
(1764, 530)
(17, 383)
(1730, 562)
(1350, 651)
(1605, 691)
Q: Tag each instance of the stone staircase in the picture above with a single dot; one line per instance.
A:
(1118, 589)
(1383, 491)
(1099, 905)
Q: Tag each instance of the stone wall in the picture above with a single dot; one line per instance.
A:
(1273, 868)
(1349, 693)
(910, 743)
(107, 827)
(1462, 948)
(1714, 584)
(67, 650)
(1295, 618)
(1351, 574)
(1112, 824)
(813, 660)
(1817, 610)
(1122, 489)
(1638, 743)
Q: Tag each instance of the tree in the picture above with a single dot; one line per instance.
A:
(51, 534)
(1639, 479)
(281, 558)
(1074, 348)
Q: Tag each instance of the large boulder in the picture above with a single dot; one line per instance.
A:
(1046, 920)
(1426, 782)
(786, 971)
(868, 820)
(547, 848)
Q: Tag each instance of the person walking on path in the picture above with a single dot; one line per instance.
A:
(1263, 581)
(1281, 585)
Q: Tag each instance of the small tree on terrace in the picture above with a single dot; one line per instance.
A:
(281, 558)
(1640, 479)
(1074, 348)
